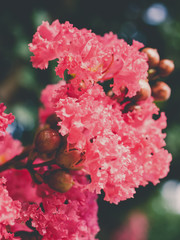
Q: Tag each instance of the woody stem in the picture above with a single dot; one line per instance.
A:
(16, 159)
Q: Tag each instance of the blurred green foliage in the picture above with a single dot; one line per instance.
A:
(20, 84)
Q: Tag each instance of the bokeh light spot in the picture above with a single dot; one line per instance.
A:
(155, 14)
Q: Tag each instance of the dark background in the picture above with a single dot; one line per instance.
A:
(157, 25)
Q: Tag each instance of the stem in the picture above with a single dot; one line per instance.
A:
(43, 164)
(16, 159)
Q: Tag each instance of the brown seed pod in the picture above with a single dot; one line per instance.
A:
(59, 180)
(144, 92)
(161, 91)
(53, 120)
(165, 67)
(71, 159)
(153, 56)
(47, 141)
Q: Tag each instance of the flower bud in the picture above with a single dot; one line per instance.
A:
(53, 120)
(144, 92)
(71, 159)
(165, 67)
(131, 107)
(82, 85)
(153, 57)
(124, 91)
(110, 93)
(161, 91)
(59, 180)
(47, 140)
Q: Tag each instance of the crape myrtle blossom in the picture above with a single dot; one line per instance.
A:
(89, 57)
(18, 190)
(97, 133)
(9, 211)
(5, 119)
(123, 151)
(71, 215)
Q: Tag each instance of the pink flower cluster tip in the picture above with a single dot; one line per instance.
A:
(5, 119)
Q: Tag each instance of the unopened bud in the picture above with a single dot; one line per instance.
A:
(53, 120)
(161, 91)
(47, 140)
(110, 93)
(71, 159)
(144, 92)
(124, 90)
(153, 56)
(82, 85)
(131, 107)
(59, 180)
(165, 67)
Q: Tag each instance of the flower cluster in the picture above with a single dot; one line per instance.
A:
(72, 215)
(123, 148)
(88, 57)
(97, 133)
(9, 211)
(5, 119)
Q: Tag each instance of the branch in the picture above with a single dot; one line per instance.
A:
(16, 159)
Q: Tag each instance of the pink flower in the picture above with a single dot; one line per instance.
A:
(46, 100)
(88, 57)
(18, 190)
(136, 228)
(123, 151)
(124, 63)
(5, 119)
(9, 148)
(77, 50)
(9, 211)
(68, 216)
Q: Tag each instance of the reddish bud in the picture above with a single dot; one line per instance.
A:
(153, 57)
(71, 159)
(124, 90)
(47, 140)
(165, 67)
(53, 120)
(144, 92)
(59, 180)
(110, 93)
(161, 91)
(131, 107)
(82, 85)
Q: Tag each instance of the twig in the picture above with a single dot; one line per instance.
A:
(16, 159)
